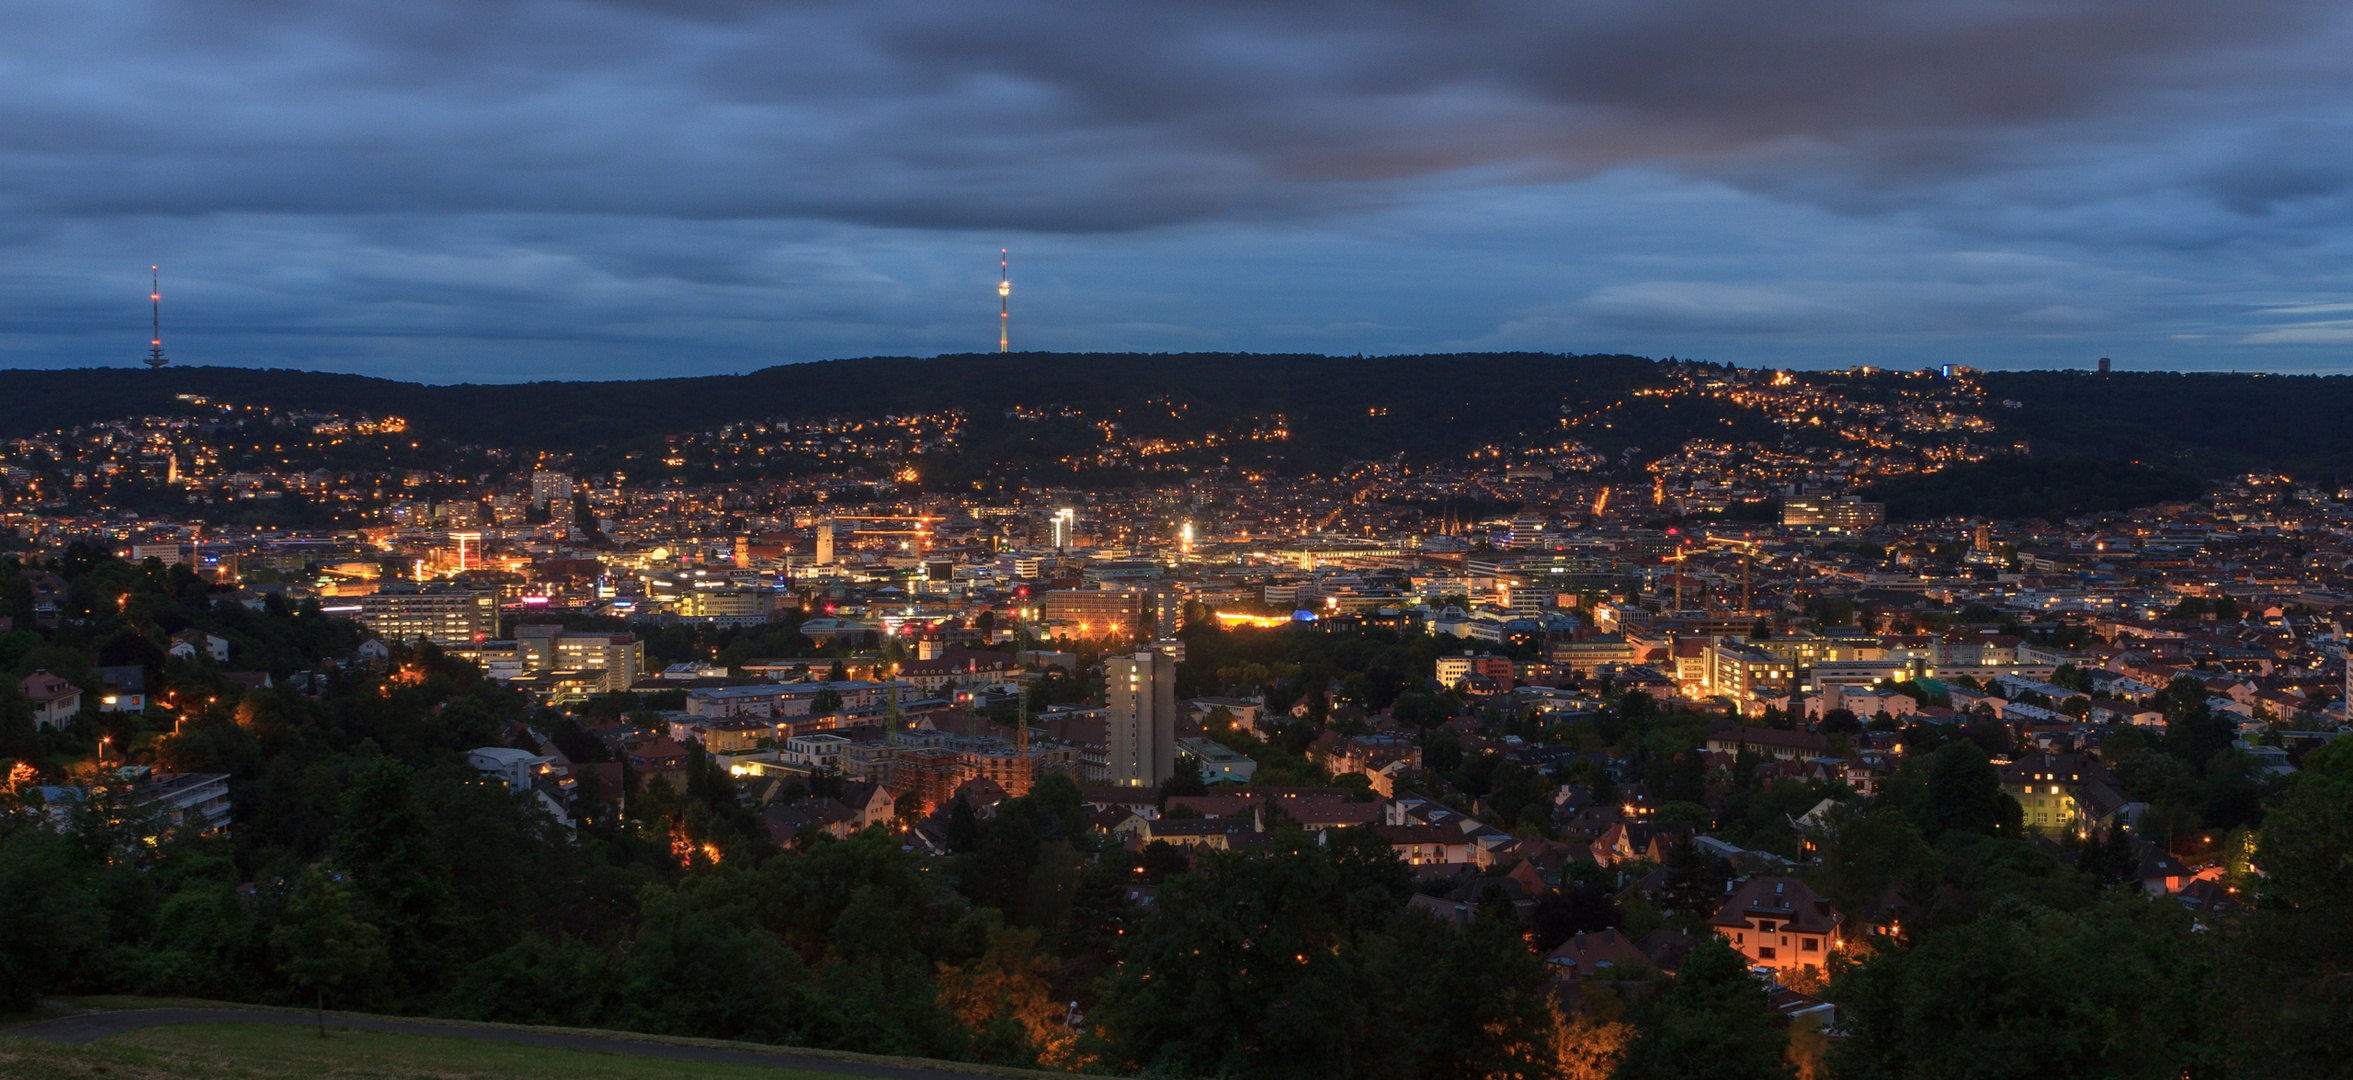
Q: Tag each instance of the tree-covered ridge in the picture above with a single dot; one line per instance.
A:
(1114, 418)
(2033, 487)
(2208, 423)
(1328, 406)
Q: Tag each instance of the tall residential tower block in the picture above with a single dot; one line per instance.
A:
(1141, 692)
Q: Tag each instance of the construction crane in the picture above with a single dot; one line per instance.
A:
(1747, 556)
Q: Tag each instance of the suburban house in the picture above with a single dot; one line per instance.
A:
(1245, 712)
(194, 643)
(1419, 845)
(955, 667)
(122, 688)
(1309, 808)
(513, 767)
(871, 802)
(1222, 833)
(2062, 793)
(54, 700)
(788, 822)
(1219, 764)
(658, 757)
(1780, 922)
(1768, 742)
(1595, 954)
(815, 751)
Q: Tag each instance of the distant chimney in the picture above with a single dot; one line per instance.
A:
(2103, 365)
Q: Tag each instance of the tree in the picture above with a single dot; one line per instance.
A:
(2298, 941)
(1717, 1024)
(1289, 923)
(2192, 732)
(2027, 992)
(963, 827)
(827, 701)
(322, 945)
(50, 920)
(1694, 883)
(2110, 859)
(1575, 908)
(1185, 780)
(1866, 851)
(398, 872)
(1688, 812)
(1004, 999)
(1964, 793)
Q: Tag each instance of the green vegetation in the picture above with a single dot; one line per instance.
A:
(1324, 405)
(2212, 424)
(287, 1052)
(2032, 487)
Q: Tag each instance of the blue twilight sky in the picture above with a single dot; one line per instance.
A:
(498, 190)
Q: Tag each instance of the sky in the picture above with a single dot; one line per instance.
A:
(508, 190)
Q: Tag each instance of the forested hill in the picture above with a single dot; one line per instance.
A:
(2210, 424)
(1329, 408)
(1348, 406)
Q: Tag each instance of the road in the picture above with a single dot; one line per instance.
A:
(86, 1027)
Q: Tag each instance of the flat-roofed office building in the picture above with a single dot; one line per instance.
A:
(440, 614)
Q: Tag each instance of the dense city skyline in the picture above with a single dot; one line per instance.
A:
(467, 193)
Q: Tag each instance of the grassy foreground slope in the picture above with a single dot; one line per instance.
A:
(295, 1052)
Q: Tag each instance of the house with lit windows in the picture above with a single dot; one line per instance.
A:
(2062, 794)
(1781, 923)
(1770, 743)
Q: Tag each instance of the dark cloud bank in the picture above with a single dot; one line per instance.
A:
(499, 189)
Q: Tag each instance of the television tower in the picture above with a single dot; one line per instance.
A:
(155, 357)
(1004, 303)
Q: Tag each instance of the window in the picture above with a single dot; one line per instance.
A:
(1764, 952)
(1810, 944)
(1739, 939)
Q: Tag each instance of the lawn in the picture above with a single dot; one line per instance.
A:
(294, 1052)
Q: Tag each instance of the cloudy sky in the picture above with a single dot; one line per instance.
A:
(498, 190)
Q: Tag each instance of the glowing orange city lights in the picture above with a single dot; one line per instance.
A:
(1235, 618)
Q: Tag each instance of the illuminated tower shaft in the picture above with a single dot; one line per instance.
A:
(155, 358)
(1004, 304)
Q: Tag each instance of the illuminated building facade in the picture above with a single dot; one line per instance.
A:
(1089, 613)
(551, 488)
(1832, 511)
(439, 614)
(1141, 692)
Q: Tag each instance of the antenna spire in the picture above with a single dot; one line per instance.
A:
(1004, 303)
(155, 357)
